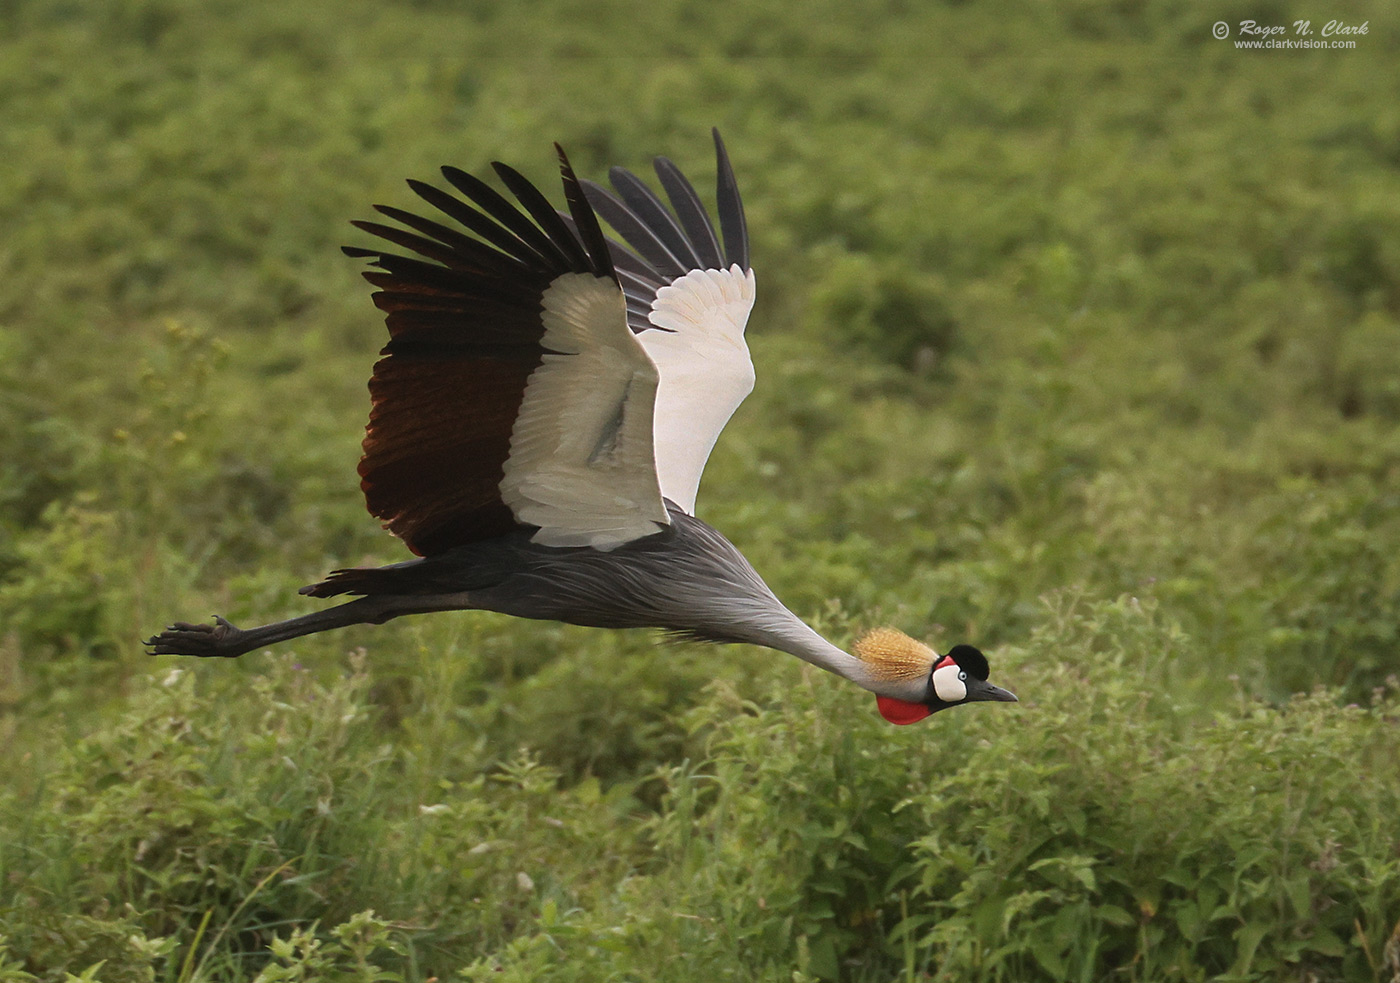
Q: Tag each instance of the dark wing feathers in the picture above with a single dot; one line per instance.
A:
(432, 468)
(691, 213)
(464, 323)
(462, 246)
(416, 276)
(648, 208)
(662, 246)
(582, 220)
(423, 247)
(544, 214)
(509, 216)
(464, 336)
(495, 234)
(635, 232)
(731, 209)
(632, 266)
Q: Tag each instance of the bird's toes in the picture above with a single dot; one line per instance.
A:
(186, 638)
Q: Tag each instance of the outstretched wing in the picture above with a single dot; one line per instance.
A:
(688, 299)
(511, 392)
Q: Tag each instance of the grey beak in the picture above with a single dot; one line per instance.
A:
(994, 694)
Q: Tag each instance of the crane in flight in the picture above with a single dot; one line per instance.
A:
(540, 419)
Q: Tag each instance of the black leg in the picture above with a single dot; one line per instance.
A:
(224, 640)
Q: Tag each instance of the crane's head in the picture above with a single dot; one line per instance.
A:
(936, 681)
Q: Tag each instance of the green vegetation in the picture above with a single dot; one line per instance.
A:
(1078, 339)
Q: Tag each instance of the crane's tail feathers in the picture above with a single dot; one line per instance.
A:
(412, 578)
(360, 580)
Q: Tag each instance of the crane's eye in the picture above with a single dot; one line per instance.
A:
(950, 684)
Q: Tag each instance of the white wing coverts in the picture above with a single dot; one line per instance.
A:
(705, 371)
(688, 299)
(541, 375)
(581, 458)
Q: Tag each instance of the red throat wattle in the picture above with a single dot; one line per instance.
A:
(901, 711)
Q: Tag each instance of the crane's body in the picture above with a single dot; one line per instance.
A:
(541, 418)
(668, 575)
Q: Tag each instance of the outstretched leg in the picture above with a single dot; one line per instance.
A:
(223, 640)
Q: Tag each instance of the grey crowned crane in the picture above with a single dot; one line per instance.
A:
(540, 419)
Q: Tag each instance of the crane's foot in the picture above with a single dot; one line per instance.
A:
(221, 640)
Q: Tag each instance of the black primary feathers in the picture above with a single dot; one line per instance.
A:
(662, 246)
(464, 337)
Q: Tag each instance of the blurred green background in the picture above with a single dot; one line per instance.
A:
(1078, 338)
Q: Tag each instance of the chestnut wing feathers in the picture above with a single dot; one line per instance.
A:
(465, 337)
(540, 375)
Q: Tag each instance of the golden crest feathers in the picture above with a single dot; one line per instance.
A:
(892, 654)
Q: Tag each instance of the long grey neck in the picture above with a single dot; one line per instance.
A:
(740, 606)
(788, 633)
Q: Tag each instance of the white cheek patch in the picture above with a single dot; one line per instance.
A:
(947, 685)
